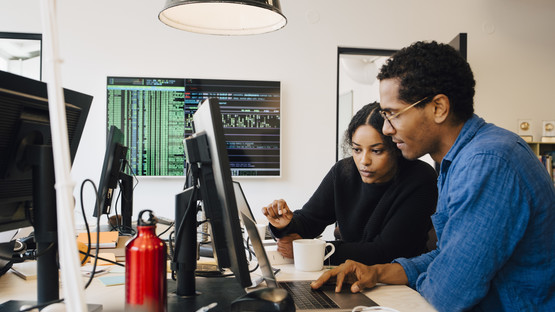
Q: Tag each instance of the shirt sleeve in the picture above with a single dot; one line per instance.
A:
(416, 266)
(481, 218)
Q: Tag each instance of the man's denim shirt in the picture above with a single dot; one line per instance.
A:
(495, 223)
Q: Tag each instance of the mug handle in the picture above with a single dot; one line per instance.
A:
(330, 252)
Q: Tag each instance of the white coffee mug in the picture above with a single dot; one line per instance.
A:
(309, 254)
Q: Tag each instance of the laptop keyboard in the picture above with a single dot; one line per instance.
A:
(305, 297)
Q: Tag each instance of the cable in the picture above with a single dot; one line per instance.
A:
(170, 243)
(98, 208)
(83, 212)
(132, 174)
(166, 230)
(103, 259)
(118, 226)
(30, 255)
(375, 308)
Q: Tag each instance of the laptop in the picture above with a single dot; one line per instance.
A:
(305, 298)
(244, 207)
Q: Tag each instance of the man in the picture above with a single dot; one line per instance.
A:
(495, 217)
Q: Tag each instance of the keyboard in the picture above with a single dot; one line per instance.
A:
(305, 297)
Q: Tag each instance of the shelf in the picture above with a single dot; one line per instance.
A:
(540, 148)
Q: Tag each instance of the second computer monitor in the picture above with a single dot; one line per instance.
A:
(218, 194)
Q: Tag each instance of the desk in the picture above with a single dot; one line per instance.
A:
(398, 297)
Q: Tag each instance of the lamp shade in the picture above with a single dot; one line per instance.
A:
(237, 17)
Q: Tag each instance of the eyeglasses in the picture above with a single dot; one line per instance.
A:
(387, 115)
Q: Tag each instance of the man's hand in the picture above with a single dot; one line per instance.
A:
(278, 213)
(285, 245)
(361, 276)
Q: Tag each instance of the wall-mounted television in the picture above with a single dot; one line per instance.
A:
(155, 115)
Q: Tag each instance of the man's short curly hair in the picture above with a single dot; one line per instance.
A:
(430, 68)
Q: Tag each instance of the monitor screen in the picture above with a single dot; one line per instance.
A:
(24, 121)
(155, 115)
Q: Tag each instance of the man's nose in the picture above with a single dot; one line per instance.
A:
(387, 128)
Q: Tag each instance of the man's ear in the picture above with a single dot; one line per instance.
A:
(441, 106)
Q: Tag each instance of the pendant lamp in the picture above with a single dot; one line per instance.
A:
(223, 17)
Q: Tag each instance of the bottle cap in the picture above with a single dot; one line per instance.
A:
(149, 222)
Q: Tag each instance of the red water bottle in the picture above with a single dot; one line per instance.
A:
(145, 268)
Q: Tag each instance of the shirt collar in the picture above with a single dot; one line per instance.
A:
(468, 131)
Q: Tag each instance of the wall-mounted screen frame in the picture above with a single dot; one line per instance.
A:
(21, 54)
(155, 115)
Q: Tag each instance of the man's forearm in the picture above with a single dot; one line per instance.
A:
(391, 273)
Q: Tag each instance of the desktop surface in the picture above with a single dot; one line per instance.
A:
(220, 290)
(112, 298)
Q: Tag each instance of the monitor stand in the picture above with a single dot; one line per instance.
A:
(221, 290)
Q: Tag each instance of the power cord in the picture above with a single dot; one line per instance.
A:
(97, 207)
(365, 309)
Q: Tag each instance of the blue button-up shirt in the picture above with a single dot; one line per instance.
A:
(495, 222)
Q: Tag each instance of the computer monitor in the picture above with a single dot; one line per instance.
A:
(27, 194)
(209, 162)
(111, 176)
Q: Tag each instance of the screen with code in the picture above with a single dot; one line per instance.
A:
(155, 115)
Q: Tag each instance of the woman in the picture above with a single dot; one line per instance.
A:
(380, 201)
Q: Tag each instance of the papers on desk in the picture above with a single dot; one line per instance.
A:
(26, 270)
(7, 236)
(112, 280)
(275, 257)
(107, 239)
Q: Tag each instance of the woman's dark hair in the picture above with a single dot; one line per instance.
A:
(370, 115)
(425, 69)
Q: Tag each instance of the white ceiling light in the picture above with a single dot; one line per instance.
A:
(237, 17)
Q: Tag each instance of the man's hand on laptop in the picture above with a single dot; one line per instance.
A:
(361, 276)
(285, 245)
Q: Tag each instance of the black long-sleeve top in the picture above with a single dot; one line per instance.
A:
(377, 222)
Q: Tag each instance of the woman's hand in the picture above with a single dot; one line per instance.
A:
(285, 245)
(278, 213)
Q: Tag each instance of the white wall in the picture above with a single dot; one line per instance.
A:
(513, 64)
